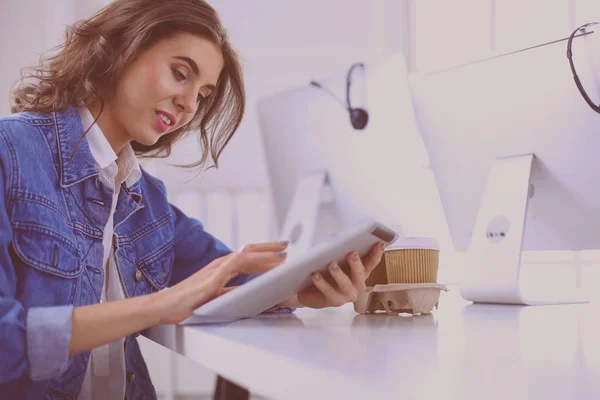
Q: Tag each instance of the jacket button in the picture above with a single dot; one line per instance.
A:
(138, 275)
(130, 377)
(164, 275)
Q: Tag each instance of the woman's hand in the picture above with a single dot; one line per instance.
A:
(102, 323)
(178, 302)
(337, 287)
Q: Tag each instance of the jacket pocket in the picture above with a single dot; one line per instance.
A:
(157, 267)
(152, 250)
(46, 250)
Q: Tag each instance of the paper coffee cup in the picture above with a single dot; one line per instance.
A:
(407, 260)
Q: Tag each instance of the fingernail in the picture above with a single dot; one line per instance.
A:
(282, 254)
(284, 243)
(317, 276)
(335, 266)
(355, 256)
(381, 246)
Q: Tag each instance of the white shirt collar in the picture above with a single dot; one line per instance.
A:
(125, 165)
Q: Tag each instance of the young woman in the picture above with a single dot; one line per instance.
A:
(88, 240)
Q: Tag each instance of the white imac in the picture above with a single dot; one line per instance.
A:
(324, 174)
(515, 151)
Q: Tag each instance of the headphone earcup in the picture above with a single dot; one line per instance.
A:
(359, 118)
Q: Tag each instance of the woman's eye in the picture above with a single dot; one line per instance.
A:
(180, 76)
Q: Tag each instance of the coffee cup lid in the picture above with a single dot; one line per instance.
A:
(407, 243)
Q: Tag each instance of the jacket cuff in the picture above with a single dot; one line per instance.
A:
(48, 336)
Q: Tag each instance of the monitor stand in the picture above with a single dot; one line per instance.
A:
(494, 256)
(313, 213)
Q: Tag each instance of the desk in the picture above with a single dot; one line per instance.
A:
(462, 351)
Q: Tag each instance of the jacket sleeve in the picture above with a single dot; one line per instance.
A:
(33, 342)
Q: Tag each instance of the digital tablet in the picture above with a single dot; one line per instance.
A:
(276, 285)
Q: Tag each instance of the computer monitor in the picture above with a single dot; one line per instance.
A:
(370, 171)
(515, 151)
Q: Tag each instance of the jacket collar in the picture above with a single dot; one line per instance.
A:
(76, 161)
(125, 166)
(82, 165)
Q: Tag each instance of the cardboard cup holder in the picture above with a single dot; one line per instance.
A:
(405, 281)
(397, 298)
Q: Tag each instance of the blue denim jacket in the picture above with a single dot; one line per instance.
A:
(53, 209)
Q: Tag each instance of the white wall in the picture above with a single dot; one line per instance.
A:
(27, 29)
(451, 33)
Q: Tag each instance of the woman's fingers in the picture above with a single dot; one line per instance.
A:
(222, 270)
(373, 258)
(359, 274)
(253, 261)
(333, 297)
(269, 246)
(344, 283)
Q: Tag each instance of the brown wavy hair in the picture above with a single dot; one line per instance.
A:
(85, 69)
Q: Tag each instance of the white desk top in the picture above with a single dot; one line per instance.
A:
(462, 351)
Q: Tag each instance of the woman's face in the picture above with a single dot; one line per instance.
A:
(159, 92)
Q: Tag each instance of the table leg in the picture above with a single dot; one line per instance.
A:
(227, 390)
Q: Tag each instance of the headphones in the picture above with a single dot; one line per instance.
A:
(359, 117)
(575, 76)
